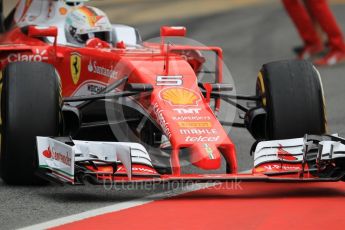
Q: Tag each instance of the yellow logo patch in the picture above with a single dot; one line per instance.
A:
(180, 96)
(195, 124)
(75, 66)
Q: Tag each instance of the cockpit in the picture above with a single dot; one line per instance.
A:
(76, 22)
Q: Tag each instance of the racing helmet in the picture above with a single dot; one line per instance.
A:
(86, 22)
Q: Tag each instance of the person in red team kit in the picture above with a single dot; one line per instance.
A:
(308, 15)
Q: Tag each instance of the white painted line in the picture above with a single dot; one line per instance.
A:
(116, 207)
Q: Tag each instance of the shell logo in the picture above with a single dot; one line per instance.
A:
(180, 96)
(63, 11)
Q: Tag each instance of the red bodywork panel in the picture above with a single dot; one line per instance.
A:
(176, 103)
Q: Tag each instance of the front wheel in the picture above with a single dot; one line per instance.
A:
(30, 107)
(292, 96)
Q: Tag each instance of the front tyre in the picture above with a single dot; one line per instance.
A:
(292, 95)
(30, 106)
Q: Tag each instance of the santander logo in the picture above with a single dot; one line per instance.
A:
(64, 158)
(47, 153)
(94, 68)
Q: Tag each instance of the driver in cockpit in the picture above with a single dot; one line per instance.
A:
(85, 23)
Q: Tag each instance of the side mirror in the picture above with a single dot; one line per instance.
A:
(173, 31)
(170, 31)
(38, 31)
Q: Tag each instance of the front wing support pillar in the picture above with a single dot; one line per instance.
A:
(175, 162)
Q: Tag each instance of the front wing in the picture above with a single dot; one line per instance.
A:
(67, 161)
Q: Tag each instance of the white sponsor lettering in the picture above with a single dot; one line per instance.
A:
(191, 118)
(198, 131)
(37, 56)
(161, 120)
(94, 68)
(284, 167)
(94, 89)
(202, 139)
(187, 111)
(169, 80)
(137, 169)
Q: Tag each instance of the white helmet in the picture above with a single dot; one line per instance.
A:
(87, 22)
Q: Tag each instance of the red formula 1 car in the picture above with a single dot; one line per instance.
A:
(128, 111)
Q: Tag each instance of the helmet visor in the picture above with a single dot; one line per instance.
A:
(104, 36)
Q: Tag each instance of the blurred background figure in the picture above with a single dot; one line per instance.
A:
(314, 20)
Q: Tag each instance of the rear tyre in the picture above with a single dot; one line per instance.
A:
(293, 98)
(30, 107)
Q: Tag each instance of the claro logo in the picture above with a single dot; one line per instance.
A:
(36, 56)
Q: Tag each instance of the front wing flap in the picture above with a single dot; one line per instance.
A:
(64, 160)
(308, 159)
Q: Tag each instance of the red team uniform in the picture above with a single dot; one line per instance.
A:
(304, 14)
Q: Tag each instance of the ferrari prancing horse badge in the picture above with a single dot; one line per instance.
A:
(75, 67)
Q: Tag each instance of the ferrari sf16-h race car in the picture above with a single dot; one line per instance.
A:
(128, 111)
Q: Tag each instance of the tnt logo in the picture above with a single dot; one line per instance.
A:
(188, 111)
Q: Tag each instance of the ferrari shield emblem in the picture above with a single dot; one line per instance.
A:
(75, 67)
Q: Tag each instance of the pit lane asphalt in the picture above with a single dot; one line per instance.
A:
(249, 38)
